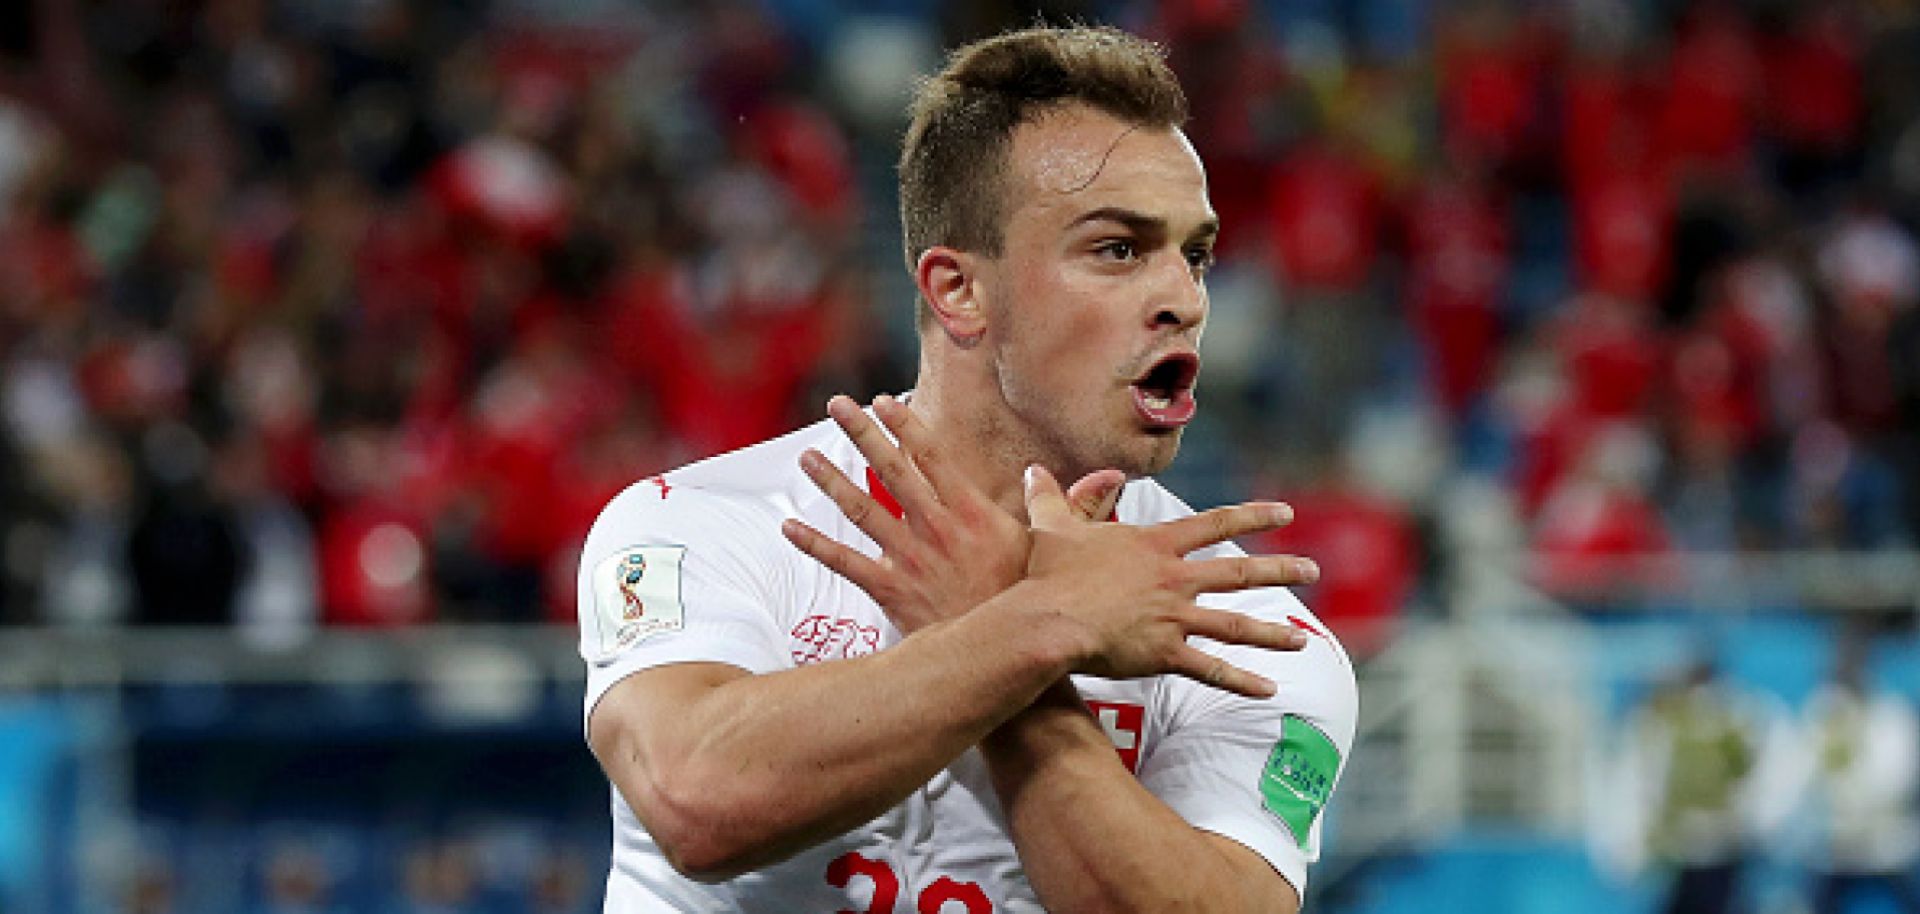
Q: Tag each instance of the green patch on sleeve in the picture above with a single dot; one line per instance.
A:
(1299, 776)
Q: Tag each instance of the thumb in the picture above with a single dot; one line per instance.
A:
(1094, 496)
(1046, 505)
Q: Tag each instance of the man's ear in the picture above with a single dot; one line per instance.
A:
(949, 282)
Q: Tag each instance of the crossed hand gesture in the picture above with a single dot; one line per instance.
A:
(1126, 592)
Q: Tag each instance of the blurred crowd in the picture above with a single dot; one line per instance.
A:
(359, 312)
(356, 313)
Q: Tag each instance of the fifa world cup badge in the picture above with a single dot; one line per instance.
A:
(632, 568)
(636, 594)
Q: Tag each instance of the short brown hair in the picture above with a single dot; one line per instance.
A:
(953, 161)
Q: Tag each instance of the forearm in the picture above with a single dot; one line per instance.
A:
(1091, 838)
(761, 767)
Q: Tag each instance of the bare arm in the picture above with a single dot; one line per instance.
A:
(707, 754)
(1067, 798)
(1068, 801)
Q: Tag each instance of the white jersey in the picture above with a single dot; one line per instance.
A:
(691, 566)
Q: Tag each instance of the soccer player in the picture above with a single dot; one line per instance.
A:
(884, 663)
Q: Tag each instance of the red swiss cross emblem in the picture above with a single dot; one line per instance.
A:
(1126, 726)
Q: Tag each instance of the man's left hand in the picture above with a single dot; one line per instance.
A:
(952, 548)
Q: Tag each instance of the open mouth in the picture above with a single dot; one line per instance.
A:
(1164, 395)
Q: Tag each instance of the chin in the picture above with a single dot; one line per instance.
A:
(1161, 461)
(1158, 453)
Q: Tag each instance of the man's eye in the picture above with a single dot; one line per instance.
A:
(1118, 249)
(1200, 259)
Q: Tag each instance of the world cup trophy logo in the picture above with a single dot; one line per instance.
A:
(632, 569)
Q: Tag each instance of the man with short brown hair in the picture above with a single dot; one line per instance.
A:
(967, 689)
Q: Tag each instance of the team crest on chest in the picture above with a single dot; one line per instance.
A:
(1126, 726)
(819, 638)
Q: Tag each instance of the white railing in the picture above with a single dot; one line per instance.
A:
(1483, 714)
(106, 657)
(1825, 581)
(1488, 714)
(1464, 721)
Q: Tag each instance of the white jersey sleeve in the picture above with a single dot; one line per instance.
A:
(1260, 771)
(675, 575)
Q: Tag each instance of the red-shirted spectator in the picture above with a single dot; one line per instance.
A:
(1606, 118)
(528, 415)
(1718, 374)
(47, 273)
(373, 557)
(270, 384)
(1457, 262)
(1488, 85)
(373, 567)
(619, 448)
(412, 270)
(1236, 83)
(1598, 529)
(1549, 439)
(1714, 85)
(1325, 207)
(720, 381)
(1773, 304)
(505, 185)
(1612, 356)
(1815, 101)
(804, 150)
(1367, 553)
(1622, 232)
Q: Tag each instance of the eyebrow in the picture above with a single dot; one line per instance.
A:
(1142, 223)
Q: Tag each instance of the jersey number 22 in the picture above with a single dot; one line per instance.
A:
(886, 887)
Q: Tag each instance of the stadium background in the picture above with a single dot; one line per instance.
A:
(1582, 334)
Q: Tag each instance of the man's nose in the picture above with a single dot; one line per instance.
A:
(1180, 299)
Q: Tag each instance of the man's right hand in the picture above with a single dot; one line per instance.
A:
(1127, 593)
(952, 548)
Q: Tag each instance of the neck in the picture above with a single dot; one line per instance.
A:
(975, 435)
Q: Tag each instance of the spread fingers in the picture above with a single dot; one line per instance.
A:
(1221, 524)
(858, 506)
(839, 558)
(909, 488)
(1234, 628)
(1205, 668)
(1246, 572)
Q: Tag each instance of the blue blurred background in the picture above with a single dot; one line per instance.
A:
(1582, 335)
